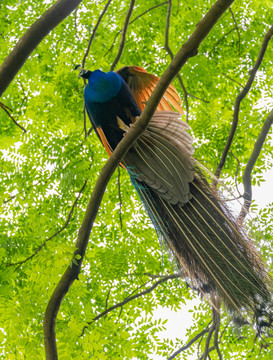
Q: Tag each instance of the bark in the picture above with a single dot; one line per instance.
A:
(250, 165)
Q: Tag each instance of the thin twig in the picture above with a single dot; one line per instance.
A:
(169, 51)
(120, 199)
(197, 98)
(86, 55)
(84, 121)
(130, 298)
(146, 11)
(221, 39)
(20, 263)
(131, 22)
(123, 34)
(94, 33)
(7, 109)
(238, 101)
(230, 78)
(250, 165)
(107, 299)
(25, 94)
(20, 192)
(237, 29)
(119, 315)
(222, 333)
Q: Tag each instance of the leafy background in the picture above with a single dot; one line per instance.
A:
(49, 171)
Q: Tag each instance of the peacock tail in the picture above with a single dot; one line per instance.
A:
(215, 253)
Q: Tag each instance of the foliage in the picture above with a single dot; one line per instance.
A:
(43, 172)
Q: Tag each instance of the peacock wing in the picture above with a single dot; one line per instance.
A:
(161, 158)
(142, 85)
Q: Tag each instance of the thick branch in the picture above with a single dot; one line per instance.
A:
(190, 48)
(123, 34)
(250, 165)
(239, 99)
(32, 38)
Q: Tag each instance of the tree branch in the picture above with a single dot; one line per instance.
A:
(230, 78)
(7, 109)
(120, 199)
(237, 29)
(239, 99)
(216, 320)
(131, 22)
(169, 51)
(222, 38)
(130, 298)
(32, 38)
(213, 329)
(19, 263)
(123, 35)
(192, 341)
(250, 165)
(189, 49)
(94, 32)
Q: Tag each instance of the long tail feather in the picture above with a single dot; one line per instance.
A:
(216, 254)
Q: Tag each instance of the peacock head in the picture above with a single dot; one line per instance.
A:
(101, 86)
(85, 74)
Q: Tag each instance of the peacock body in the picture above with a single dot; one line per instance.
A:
(210, 247)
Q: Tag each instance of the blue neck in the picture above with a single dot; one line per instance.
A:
(102, 87)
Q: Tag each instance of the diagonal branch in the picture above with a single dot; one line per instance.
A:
(221, 39)
(169, 51)
(230, 78)
(189, 49)
(19, 263)
(32, 38)
(239, 99)
(192, 341)
(250, 165)
(237, 29)
(131, 22)
(130, 298)
(123, 34)
(7, 109)
(94, 32)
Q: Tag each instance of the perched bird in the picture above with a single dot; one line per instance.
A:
(214, 252)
